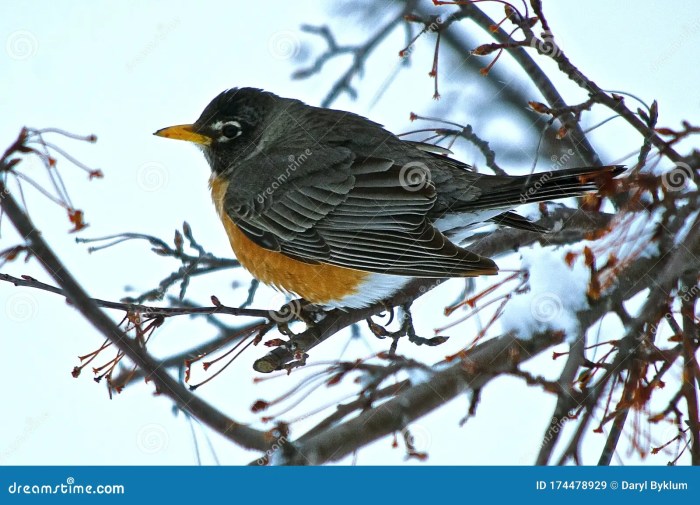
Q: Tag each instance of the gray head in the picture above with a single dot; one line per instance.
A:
(231, 127)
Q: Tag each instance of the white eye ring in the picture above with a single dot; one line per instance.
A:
(230, 130)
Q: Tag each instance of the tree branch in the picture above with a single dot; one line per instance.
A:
(137, 308)
(477, 369)
(165, 384)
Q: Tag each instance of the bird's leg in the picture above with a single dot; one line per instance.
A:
(406, 330)
(312, 314)
(298, 309)
(378, 330)
(290, 311)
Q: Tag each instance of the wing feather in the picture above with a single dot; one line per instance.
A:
(366, 218)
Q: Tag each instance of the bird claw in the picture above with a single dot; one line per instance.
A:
(405, 330)
(296, 310)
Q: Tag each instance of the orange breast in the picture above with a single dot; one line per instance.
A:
(320, 283)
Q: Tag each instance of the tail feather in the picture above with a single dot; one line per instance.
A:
(509, 192)
(513, 220)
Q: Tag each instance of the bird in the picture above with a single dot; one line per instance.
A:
(329, 206)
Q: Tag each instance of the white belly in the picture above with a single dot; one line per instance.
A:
(460, 227)
(375, 288)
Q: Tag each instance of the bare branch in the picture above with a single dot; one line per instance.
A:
(135, 308)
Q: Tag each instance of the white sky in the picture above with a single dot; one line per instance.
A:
(125, 71)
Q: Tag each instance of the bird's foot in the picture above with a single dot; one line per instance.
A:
(405, 330)
(296, 310)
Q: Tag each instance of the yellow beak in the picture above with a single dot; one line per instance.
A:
(184, 132)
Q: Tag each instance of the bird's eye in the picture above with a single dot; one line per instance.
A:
(232, 129)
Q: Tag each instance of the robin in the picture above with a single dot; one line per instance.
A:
(331, 207)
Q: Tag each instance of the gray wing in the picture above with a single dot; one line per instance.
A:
(367, 214)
